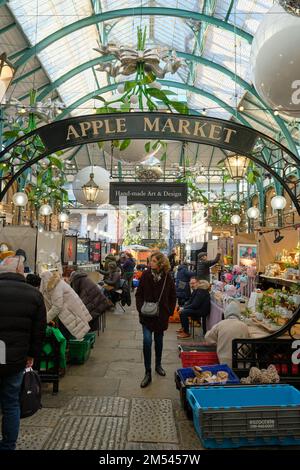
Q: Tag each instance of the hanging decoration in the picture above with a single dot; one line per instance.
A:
(275, 60)
(149, 173)
(157, 60)
(291, 6)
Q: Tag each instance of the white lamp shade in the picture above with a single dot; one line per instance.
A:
(235, 219)
(45, 209)
(278, 202)
(20, 199)
(6, 74)
(209, 228)
(275, 61)
(253, 213)
(63, 217)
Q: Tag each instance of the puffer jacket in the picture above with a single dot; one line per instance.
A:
(90, 293)
(63, 302)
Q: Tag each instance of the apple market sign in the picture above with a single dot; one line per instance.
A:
(120, 126)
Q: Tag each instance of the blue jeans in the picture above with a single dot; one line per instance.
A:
(10, 403)
(147, 347)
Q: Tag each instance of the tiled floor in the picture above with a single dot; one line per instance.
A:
(101, 405)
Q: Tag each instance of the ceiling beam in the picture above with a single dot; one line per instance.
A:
(167, 83)
(189, 57)
(127, 12)
(26, 75)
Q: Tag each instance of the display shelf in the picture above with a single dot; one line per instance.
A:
(280, 281)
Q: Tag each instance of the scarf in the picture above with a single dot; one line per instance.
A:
(156, 275)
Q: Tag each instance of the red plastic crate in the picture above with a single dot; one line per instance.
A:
(199, 358)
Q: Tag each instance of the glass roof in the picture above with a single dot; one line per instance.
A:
(40, 18)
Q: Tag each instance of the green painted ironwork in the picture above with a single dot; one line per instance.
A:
(122, 13)
(26, 75)
(229, 10)
(7, 28)
(188, 57)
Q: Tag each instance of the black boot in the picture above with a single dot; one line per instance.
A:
(147, 379)
(160, 371)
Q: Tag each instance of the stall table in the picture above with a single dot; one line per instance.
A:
(216, 315)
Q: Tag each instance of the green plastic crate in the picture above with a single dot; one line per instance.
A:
(92, 337)
(79, 351)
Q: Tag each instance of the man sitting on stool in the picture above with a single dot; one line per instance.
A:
(197, 307)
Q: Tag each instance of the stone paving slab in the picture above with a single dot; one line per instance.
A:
(93, 406)
(188, 437)
(90, 369)
(151, 446)
(161, 387)
(126, 369)
(48, 417)
(86, 386)
(50, 400)
(89, 433)
(117, 355)
(152, 421)
(33, 438)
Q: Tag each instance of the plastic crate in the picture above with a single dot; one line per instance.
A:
(198, 358)
(182, 374)
(230, 417)
(79, 351)
(91, 336)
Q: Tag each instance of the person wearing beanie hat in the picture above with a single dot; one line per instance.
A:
(227, 330)
(22, 331)
(204, 265)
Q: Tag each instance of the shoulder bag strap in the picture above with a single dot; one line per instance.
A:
(162, 289)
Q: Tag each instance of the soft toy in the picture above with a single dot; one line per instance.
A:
(263, 376)
(6, 254)
(228, 277)
(236, 269)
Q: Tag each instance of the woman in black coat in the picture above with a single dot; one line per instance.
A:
(149, 290)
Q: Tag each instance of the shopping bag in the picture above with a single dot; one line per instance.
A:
(30, 395)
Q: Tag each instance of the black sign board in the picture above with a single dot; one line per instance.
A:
(148, 193)
(119, 126)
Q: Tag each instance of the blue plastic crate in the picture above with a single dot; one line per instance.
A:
(182, 374)
(229, 417)
(187, 372)
(135, 282)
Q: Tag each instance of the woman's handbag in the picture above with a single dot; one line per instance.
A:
(151, 309)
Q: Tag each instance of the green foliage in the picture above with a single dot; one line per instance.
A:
(195, 194)
(222, 211)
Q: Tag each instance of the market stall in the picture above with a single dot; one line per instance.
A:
(21, 237)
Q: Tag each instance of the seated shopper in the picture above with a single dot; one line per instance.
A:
(197, 307)
(225, 331)
(112, 279)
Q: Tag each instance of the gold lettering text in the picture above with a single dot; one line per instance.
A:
(199, 129)
(107, 128)
(150, 125)
(121, 125)
(96, 126)
(169, 124)
(72, 133)
(228, 134)
(215, 132)
(183, 125)
(84, 126)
